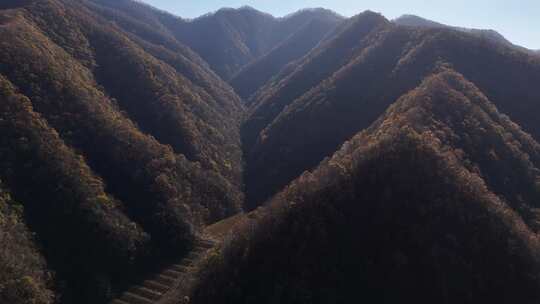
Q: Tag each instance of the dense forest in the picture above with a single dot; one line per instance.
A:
(24, 276)
(339, 159)
(116, 157)
(403, 212)
(344, 85)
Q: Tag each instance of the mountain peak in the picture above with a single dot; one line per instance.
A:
(369, 13)
(387, 163)
(416, 21)
(366, 17)
(441, 94)
(314, 10)
(246, 9)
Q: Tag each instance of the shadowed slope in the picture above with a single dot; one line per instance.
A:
(316, 66)
(345, 99)
(104, 181)
(486, 142)
(144, 27)
(253, 76)
(84, 232)
(172, 282)
(177, 110)
(23, 270)
(401, 213)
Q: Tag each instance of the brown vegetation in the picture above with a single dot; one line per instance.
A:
(305, 114)
(121, 146)
(401, 213)
(24, 277)
(117, 158)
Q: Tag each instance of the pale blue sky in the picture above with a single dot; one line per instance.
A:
(518, 20)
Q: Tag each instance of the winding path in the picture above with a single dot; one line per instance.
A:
(168, 285)
(153, 290)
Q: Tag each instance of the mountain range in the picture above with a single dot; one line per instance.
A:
(351, 79)
(418, 208)
(364, 159)
(415, 21)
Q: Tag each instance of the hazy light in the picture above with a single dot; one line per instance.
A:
(517, 20)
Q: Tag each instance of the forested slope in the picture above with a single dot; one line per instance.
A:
(409, 210)
(344, 85)
(392, 163)
(23, 271)
(81, 227)
(254, 75)
(118, 150)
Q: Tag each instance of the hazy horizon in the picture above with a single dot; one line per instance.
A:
(513, 20)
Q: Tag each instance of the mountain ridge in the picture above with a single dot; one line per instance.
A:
(405, 154)
(254, 75)
(324, 159)
(244, 32)
(388, 62)
(416, 21)
(111, 189)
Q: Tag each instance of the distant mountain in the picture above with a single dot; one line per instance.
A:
(253, 76)
(243, 35)
(228, 39)
(415, 21)
(387, 161)
(343, 85)
(408, 210)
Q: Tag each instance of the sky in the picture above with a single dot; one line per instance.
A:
(517, 20)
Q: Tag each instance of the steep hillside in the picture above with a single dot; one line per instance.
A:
(256, 74)
(307, 72)
(119, 148)
(240, 36)
(149, 91)
(143, 23)
(202, 112)
(125, 153)
(227, 39)
(336, 90)
(23, 272)
(404, 212)
(83, 230)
